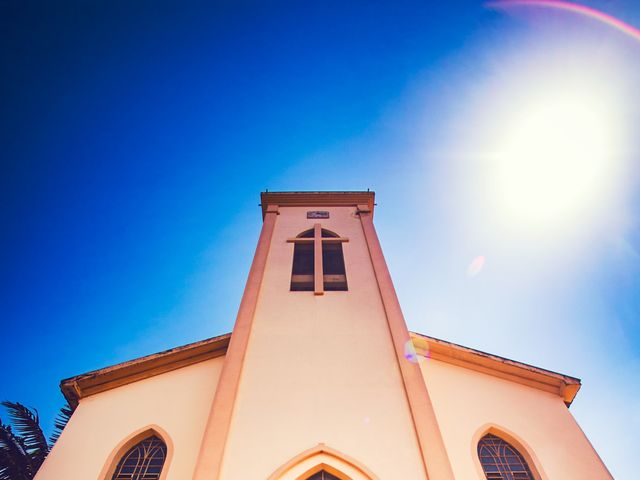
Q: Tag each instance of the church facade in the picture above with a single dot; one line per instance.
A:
(321, 380)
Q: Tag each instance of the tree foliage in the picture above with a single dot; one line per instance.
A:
(23, 444)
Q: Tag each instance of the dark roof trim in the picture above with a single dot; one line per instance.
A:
(563, 385)
(81, 386)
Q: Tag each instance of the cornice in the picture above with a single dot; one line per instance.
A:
(316, 199)
(564, 386)
(80, 386)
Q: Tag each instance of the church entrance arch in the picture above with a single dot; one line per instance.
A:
(321, 458)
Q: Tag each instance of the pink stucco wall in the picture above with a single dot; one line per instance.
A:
(177, 401)
(467, 403)
(320, 368)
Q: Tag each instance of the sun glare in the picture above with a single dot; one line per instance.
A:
(546, 140)
(554, 158)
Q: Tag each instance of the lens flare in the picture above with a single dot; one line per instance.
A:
(475, 267)
(571, 7)
(411, 354)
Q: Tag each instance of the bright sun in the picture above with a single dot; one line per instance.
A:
(554, 140)
(542, 140)
(554, 158)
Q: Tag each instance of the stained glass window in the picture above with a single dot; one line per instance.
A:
(501, 461)
(322, 475)
(143, 461)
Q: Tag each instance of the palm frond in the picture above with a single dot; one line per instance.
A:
(60, 422)
(26, 424)
(15, 462)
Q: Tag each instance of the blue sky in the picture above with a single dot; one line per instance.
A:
(136, 137)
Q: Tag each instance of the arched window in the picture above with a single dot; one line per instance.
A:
(334, 276)
(322, 475)
(143, 461)
(501, 461)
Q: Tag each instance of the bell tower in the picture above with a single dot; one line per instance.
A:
(315, 368)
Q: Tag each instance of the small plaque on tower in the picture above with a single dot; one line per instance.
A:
(318, 214)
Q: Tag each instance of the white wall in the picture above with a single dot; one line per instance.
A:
(176, 401)
(466, 401)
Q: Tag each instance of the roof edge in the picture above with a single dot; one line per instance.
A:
(96, 381)
(562, 385)
(319, 199)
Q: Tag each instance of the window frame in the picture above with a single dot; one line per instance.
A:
(305, 281)
(110, 465)
(515, 441)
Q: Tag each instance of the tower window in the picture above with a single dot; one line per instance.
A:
(143, 461)
(302, 273)
(501, 461)
(334, 275)
(330, 262)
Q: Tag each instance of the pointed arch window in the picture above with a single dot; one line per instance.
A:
(322, 475)
(501, 461)
(318, 261)
(143, 461)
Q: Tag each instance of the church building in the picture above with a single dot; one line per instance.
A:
(321, 380)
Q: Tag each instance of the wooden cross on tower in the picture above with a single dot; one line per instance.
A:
(317, 240)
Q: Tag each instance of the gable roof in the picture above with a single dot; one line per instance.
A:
(84, 385)
(562, 385)
(97, 381)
